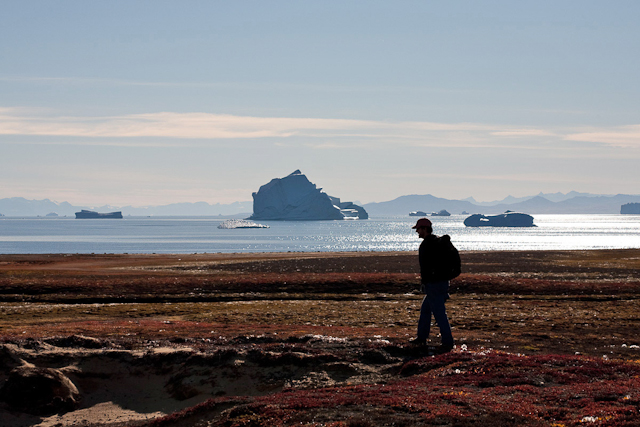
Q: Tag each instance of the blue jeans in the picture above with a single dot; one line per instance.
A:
(436, 295)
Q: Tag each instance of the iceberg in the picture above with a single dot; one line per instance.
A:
(85, 214)
(295, 198)
(240, 223)
(630, 208)
(442, 212)
(507, 219)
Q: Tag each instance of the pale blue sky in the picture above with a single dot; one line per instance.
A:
(153, 102)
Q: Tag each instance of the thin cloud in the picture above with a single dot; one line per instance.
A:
(204, 126)
(623, 136)
(524, 132)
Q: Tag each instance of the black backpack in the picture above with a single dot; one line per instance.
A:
(449, 265)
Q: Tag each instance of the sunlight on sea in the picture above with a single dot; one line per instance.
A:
(200, 234)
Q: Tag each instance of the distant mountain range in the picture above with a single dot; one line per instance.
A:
(554, 203)
(18, 206)
(580, 204)
(553, 197)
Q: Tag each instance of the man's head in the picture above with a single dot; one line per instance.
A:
(423, 227)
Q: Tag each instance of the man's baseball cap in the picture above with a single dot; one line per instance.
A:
(422, 222)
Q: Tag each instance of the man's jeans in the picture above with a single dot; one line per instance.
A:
(436, 295)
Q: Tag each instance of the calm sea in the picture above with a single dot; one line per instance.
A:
(200, 235)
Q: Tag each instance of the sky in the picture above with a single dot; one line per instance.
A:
(147, 103)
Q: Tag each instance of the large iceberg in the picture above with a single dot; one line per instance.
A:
(295, 198)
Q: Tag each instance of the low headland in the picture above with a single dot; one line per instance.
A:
(544, 338)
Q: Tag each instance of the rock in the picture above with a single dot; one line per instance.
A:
(295, 198)
(507, 219)
(39, 391)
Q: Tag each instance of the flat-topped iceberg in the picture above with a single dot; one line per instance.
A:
(630, 208)
(442, 212)
(507, 219)
(85, 214)
(295, 198)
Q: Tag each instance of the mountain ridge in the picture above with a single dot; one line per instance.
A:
(591, 204)
(579, 203)
(19, 206)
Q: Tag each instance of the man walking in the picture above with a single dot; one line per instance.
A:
(439, 262)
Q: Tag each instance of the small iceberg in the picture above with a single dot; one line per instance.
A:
(417, 213)
(240, 223)
(85, 214)
(507, 219)
(442, 212)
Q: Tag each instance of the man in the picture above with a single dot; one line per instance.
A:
(435, 284)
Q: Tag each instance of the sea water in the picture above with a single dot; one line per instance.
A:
(201, 235)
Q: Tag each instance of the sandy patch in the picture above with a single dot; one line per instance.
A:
(118, 386)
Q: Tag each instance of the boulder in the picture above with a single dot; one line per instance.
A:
(295, 198)
(39, 391)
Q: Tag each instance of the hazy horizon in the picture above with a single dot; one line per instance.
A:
(505, 200)
(141, 103)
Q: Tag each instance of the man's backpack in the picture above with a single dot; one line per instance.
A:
(449, 265)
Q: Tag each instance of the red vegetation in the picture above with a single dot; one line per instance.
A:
(462, 388)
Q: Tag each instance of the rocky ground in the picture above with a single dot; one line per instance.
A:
(543, 338)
